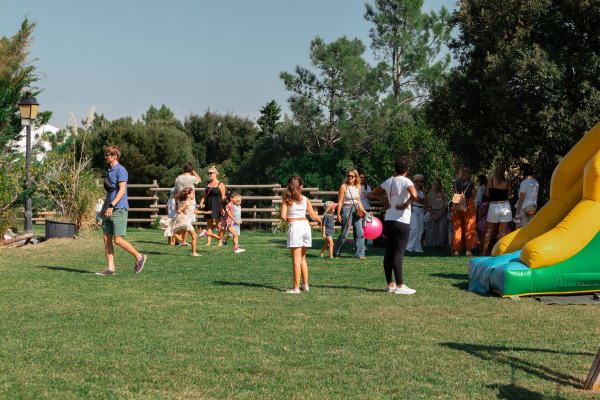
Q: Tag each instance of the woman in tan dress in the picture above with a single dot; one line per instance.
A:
(437, 226)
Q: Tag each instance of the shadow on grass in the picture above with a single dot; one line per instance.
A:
(151, 242)
(496, 353)
(345, 287)
(79, 271)
(246, 284)
(464, 285)
(515, 392)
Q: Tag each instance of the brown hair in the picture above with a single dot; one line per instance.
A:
(499, 173)
(183, 195)
(293, 192)
(113, 151)
(227, 199)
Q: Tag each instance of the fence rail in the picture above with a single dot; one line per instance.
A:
(250, 215)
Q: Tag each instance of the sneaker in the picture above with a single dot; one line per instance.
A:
(139, 264)
(203, 233)
(391, 289)
(196, 255)
(239, 251)
(106, 272)
(185, 245)
(304, 287)
(293, 291)
(225, 243)
(404, 290)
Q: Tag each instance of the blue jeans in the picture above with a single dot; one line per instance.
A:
(347, 213)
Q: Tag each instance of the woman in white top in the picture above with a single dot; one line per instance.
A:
(293, 211)
(528, 192)
(401, 194)
(347, 214)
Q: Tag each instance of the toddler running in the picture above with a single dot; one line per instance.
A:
(237, 216)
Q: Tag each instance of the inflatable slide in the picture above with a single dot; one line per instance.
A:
(559, 251)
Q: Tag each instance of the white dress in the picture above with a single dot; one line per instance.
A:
(181, 221)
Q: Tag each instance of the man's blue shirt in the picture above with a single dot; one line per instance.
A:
(116, 175)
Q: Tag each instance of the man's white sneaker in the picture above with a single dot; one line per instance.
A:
(404, 290)
(390, 289)
(239, 250)
(304, 287)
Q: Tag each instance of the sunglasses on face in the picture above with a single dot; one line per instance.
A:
(350, 176)
(107, 155)
(210, 173)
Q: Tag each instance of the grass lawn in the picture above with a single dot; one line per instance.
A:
(220, 326)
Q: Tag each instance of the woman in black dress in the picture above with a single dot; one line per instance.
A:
(211, 201)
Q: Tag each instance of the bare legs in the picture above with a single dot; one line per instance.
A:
(489, 232)
(328, 244)
(299, 265)
(209, 228)
(110, 250)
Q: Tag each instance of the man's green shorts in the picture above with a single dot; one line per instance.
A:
(116, 225)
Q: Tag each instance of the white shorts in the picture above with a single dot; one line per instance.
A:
(499, 213)
(299, 234)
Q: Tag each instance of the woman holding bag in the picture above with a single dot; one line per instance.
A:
(349, 213)
(463, 212)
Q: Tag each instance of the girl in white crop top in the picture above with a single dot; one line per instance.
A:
(293, 211)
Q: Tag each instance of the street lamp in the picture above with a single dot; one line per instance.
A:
(28, 106)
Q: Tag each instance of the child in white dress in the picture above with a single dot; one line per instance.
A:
(185, 216)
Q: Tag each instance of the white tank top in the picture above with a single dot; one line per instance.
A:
(297, 210)
(351, 190)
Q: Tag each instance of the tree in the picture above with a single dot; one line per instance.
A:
(409, 41)
(218, 138)
(526, 87)
(154, 151)
(154, 114)
(17, 74)
(269, 120)
(338, 96)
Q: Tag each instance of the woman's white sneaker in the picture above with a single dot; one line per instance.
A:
(391, 289)
(404, 290)
(304, 287)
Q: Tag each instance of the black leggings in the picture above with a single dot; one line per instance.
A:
(397, 234)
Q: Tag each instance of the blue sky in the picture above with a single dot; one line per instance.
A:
(124, 55)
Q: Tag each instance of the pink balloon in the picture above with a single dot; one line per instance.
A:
(373, 229)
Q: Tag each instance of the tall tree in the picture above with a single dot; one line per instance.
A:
(526, 86)
(17, 75)
(410, 42)
(269, 120)
(342, 91)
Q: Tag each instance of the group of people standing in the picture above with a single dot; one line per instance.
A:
(221, 209)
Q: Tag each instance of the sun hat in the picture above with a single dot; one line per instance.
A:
(329, 205)
(419, 177)
(172, 194)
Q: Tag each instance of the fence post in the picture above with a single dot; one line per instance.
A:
(155, 201)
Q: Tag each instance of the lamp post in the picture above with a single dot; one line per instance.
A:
(28, 106)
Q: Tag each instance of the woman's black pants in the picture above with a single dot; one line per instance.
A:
(397, 234)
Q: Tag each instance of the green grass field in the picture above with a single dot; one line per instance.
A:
(220, 326)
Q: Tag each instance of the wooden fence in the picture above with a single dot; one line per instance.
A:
(251, 214)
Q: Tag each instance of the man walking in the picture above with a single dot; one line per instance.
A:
(189, 179)
(114, 212)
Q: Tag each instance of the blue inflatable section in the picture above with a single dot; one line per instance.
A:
(489, 273)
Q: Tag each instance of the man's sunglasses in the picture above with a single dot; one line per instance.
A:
(107, 155)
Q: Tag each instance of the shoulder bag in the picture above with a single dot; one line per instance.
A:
(359, 209)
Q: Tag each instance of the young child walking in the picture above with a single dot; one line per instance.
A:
(328, 226)
(171, 209)
(299, 237)
(237, 216)
(226, 222)
(183, 221)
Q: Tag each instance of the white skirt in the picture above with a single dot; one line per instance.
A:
(299, 234)
(181, 222)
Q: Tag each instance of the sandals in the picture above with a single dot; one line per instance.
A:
(456, 254)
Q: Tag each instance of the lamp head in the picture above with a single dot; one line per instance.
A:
(28, 106)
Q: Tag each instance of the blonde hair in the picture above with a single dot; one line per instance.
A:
(356, 178)
(213, 169)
